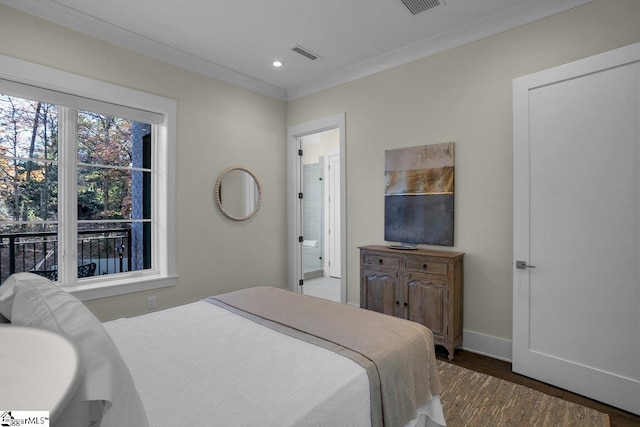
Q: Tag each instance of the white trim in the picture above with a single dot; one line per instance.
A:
(293, 188)
(603, 61)
(102, 30)
(164, 185)
(37, 75)
(67, 188)
(88, 292)
(326, 204)
(60, 98)
(487, 345)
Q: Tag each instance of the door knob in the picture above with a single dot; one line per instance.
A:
(523, 264)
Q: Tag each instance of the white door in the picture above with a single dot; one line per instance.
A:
(576, 315)
(334, 237)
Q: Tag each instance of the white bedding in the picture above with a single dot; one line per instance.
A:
(218, 367)
(106, 395)
(199, 364)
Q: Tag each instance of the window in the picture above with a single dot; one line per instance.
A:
(85, 182)
(113, 194)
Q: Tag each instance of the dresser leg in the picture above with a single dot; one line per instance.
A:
(451, 350)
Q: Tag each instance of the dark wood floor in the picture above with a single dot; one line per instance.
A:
(500, 369)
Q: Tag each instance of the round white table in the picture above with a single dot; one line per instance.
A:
(38, 369)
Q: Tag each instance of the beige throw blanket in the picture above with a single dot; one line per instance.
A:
(398, 355)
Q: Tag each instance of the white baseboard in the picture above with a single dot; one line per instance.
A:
(487, 345)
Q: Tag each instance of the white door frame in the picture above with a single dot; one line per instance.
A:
(294, 205)
(329, 204)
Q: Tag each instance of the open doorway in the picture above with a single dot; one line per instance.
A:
(320, 163)
(317, 208)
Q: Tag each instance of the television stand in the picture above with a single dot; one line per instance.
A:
(421, 285)
(404, 247)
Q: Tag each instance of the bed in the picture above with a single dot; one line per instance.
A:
(259, 356)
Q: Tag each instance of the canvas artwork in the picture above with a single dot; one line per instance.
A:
(419, 195)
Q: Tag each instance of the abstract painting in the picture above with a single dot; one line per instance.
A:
(418, 206)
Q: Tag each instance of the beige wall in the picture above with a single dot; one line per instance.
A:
(461, 95)
(316, 145)
(219, 125)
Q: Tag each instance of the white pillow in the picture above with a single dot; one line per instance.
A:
(11, 286)
(105, 381)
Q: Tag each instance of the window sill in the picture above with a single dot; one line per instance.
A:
(102, 289)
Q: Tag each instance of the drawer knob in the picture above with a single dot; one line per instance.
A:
(406, 304)
(380, 261)
(397, 302)
(424, 266)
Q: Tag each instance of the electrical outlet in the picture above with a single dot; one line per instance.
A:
(151, 302)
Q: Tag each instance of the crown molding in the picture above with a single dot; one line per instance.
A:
(101, 30)
(522, 14)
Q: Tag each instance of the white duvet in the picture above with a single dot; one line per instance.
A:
(199, 364)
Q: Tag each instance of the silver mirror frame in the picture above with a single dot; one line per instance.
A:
(218, 193)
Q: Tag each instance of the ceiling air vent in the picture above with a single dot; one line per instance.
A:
(419, 6)
(305, 52)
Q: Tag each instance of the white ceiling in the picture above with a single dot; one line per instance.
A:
(236, 41)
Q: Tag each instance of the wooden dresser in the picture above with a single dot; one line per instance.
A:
(420, 285)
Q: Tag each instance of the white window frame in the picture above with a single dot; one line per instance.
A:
(163, 271)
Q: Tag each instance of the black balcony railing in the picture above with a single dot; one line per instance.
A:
(37, 251)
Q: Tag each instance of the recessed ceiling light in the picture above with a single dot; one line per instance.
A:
(277, 63)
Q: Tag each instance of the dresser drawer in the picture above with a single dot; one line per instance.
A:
(382, 261)
(426, 266)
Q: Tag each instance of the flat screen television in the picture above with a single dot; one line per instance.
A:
(418, 219)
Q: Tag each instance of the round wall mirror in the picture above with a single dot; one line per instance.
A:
(238, 193)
